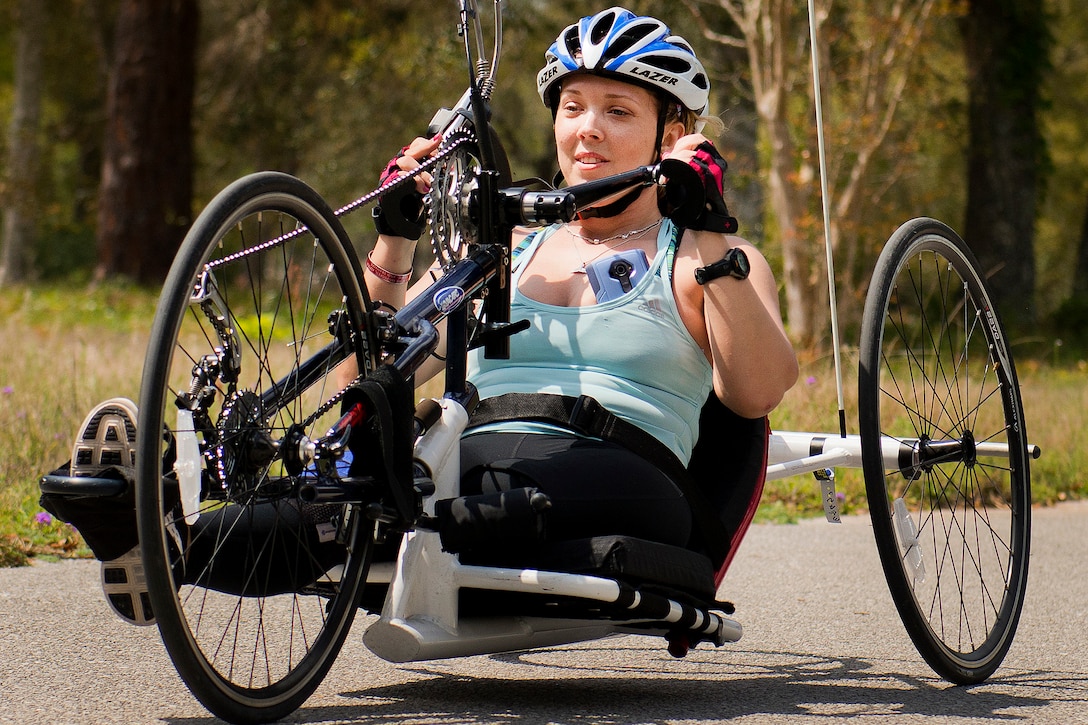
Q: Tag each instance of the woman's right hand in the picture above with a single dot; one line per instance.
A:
(408, 159)
(399, 213)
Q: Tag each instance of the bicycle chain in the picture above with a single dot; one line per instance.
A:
(330, 403)
(453, 142)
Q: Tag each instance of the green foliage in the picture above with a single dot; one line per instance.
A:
(70, 136)
(1068, 326)
(1062, 211)
(67, 346)
(329, 91)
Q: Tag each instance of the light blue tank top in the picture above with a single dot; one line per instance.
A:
(633, 354)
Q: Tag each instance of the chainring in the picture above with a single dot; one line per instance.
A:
(454, 180)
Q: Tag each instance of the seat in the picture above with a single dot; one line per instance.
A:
(729, 464)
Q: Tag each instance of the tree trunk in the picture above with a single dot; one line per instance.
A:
(146, 194)
(767, 29)
(1080, 274)
(20, 212)
(787, 205)
(1005, 43)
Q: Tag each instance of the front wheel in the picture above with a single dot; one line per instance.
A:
(260, 320)
(944, 451)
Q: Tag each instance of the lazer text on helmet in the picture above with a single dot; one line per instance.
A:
(653, 75)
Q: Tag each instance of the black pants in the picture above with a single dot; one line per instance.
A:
(597, 488)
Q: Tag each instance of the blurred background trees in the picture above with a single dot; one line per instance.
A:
(124, 117)
(146, 187)
(18, 235)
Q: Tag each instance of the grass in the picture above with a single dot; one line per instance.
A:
(66, 347)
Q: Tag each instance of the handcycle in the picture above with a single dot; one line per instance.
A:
(262, 537)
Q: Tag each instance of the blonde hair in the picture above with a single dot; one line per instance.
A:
(711, 126)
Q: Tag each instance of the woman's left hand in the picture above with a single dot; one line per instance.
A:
(685, 146)
(698, 152)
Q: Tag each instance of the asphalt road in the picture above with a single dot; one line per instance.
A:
(822, 644)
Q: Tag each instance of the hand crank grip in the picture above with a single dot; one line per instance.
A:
(520, 206)
(684, 192)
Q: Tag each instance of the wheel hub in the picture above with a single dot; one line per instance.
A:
(930, 453)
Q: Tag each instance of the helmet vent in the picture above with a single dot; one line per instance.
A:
(624, 42)
(667, 63)
(572, 41)
(681, 43)
(600, 29)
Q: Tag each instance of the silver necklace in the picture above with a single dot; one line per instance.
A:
(623, 239)
(624, 235)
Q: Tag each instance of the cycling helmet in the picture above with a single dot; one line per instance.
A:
(634, 48)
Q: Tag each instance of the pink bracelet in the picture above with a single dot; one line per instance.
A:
(384, 274)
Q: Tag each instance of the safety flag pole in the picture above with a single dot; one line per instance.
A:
(814, 50)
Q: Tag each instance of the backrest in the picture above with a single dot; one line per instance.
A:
(729, 464)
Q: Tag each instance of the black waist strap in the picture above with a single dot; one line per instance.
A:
(588, 417)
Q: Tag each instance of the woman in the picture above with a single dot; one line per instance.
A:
(623, 92)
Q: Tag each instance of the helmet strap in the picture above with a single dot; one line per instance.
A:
(662, 114)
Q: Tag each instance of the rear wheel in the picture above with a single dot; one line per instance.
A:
(944, 451)
(254, 590)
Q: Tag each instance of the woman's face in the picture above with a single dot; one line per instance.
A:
(604, 127)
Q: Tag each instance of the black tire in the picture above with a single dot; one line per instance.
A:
(247, 596)
(936, 386)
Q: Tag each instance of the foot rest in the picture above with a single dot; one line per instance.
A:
(110, 482)
(101, 507)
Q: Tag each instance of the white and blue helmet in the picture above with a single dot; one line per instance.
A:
(638, 49)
